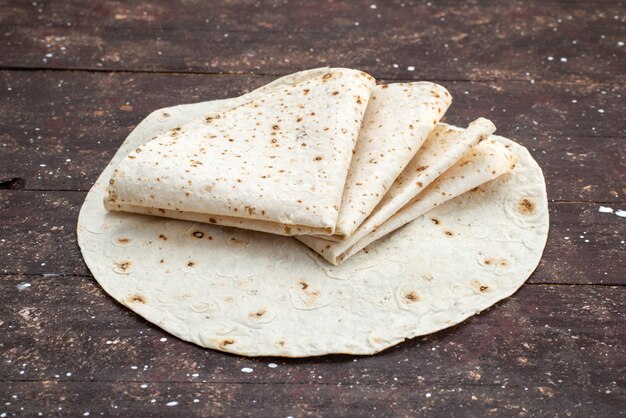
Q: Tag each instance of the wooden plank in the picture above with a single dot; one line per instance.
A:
(64, 141)
(304, 400)
(546, 348)
(40, 227)
(504, 40)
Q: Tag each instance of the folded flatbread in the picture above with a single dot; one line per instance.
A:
(485, 162)
(397, 121)
(280, 159)
(441, 150)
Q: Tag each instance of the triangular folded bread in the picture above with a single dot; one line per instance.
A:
(397, 121)
(280, 159)
(482, 163)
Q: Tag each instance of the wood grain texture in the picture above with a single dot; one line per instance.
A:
(80, 75)
(40, 239)
(494, 363)
(575, 131)
(503, 40)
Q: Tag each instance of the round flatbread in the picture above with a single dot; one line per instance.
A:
(255, 294)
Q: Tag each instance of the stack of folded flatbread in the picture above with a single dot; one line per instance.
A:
(334, 160)
(413, 224)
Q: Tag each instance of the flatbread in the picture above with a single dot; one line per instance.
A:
(485, 162)
(257, 294)
(397, 121)
(281, 158)
(443, 148)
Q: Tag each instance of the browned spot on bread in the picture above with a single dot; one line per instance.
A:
(419, 184)
(526, 206)
(479, 286)
(198, 234)
(123, 265)
(335, 93)
(503, 263)
(435, 221)
(422, 168)
(449, 233)
(251, 210)
(111, 181)
(136, 298)
(411, 297)
(327, 76)
(275, 127)
(488, 261)
(225, 342)
(306, 91)
(358, 99)
(162, 237)
(303, 285)
(212, 220)
(257, 314)
(298, 119)
(280, 343)
(318, 158)
(138, 150)
(162, 211)
(191, 263)
(123, 240)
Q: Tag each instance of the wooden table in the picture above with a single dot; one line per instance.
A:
(78, 76)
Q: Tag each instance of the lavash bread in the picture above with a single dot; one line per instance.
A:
(443, 148)
(483, 163)
(257, 294)
(282, 157)
(397, 121)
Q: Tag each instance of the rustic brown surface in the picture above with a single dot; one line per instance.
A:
(556, 348)
(484, 40)
(523, 354)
